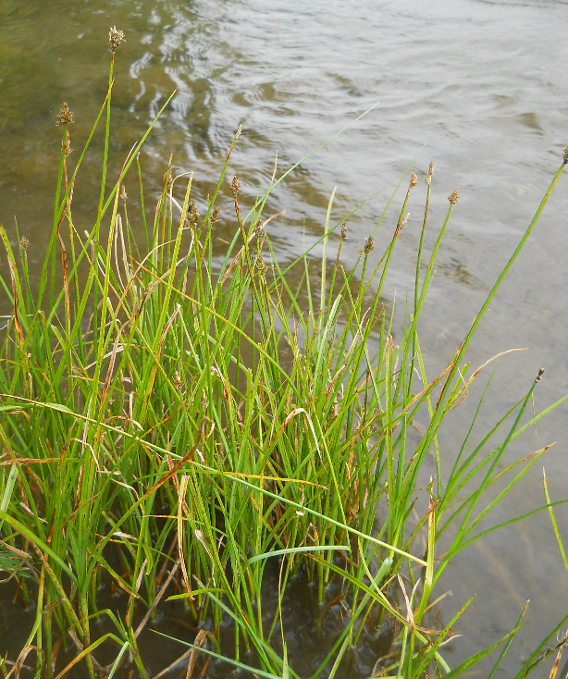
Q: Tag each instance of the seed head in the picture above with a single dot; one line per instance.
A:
(24, 243)
(215, 214)
(540, 374)
(428, 177)
(566, 155)
(400, 226)
(261, 266)
(115, 37)
(168, 179)
(192, 216)
(343, 232)
(123, 193)
(369, 245)
(454, 197)
(413, 181)
(235, 186)
(177, 381)
(67, 146)
(65, 115)
(259, 228)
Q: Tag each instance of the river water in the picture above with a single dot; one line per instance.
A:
(476, 86)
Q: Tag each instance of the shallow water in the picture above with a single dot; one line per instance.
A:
(478, 87)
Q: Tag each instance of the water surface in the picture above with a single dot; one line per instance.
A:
(477, 87)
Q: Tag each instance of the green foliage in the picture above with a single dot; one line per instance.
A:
(184, 413)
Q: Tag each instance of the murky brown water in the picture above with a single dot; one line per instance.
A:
(479, 87)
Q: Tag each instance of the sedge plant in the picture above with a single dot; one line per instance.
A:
(181, 424)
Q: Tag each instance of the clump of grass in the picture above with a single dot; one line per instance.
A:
(172, 422)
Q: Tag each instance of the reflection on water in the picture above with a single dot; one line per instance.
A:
(478, 87)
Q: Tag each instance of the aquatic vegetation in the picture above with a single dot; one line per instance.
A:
(187, 428)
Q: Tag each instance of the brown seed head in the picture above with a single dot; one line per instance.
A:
(369, 245)
(115, 37)
(65, 115)
(259, 228)
(215, 214)
(123, 193)
(454, 197)
(261, 266)
(192, 216)
(400, 226)
(177, 381)
(24, 243)
(566, 155)
(235, 186)
(413, 181)
(428, 177)
(540, 374)
(343, 232)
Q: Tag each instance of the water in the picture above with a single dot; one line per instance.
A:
(478, 87)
